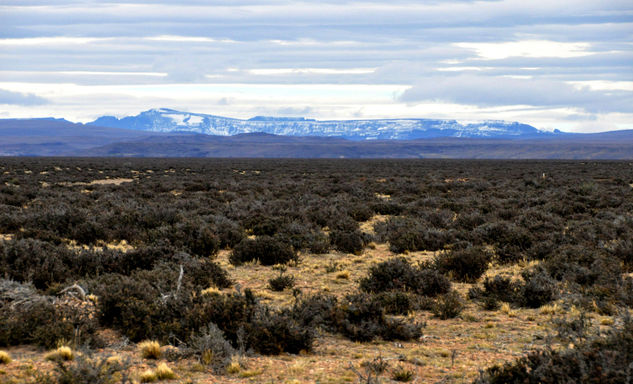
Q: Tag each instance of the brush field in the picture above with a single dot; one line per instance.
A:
(315, 271)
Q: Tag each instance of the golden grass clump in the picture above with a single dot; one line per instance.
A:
(344, 275)
(150, 349)
(5, 358)
(63, 353)
(505, 308)
(148, 376)
(163, 372)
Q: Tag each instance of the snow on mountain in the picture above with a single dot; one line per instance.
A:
(169, 120)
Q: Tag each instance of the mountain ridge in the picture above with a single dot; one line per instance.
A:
(59, 137)
(170, 120)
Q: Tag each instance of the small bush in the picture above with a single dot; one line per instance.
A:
(211, 348)
(402, 374)
(465, 265)
(500, 287)
(448, 306)
(87, 368)
(396, 302)
(281, 282)
(417, 239)
(266, 250)
(347, 241)
(538, 290)
(601, 359)
(398, 274)
(150, 349)
(490, 303)
(272, 333)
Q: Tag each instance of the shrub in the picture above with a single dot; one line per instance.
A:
(538, 289)
(395, 302)
(281, 282)
(429, 282)
(417, 239)
(347, 241)
(28, 317)
(150, 349)
(393, 274)
(600, 359)
(127, 304)
(465, 265)
(271, 333)
(266, 250)
(500, 287)
(490, 303)
(448, 306)
(359, 317)
(211, 348)
(87, 368)
(398, 274)
(402, 374)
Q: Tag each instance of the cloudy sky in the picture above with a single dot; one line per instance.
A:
(550, 63)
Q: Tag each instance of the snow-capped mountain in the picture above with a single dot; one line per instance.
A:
(169, 120)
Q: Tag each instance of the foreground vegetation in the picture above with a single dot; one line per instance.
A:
(242, 270)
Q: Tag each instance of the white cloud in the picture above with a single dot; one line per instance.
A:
(506, 90)
(528, 48)
(461, 59)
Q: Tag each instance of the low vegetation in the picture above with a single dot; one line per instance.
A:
(274, 271)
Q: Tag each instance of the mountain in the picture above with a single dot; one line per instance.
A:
(42, 137)
(169, 120)
(57, 137)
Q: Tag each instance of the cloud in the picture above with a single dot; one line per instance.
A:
(18, 98)
(578, 55)
(505, 91)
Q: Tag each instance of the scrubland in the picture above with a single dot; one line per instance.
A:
(328, 271)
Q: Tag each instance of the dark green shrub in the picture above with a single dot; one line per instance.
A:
(27, 317)
(347, 241)
(396, 302)
(465, 265)
(419, 239)
(266, 250)
(538, 289)
(448, 306)
(281, 282)
(272, 333)
(210, 348)
(87, 368)
(357, 317)
(390, 275)
(402, 374)
(398, 274)
(602, 359)
(500, 287)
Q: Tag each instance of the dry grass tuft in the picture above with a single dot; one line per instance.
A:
(5, 358)
(343, 275)
(150, 349)
(148, 376)
(163, 372)
(62, 353)
(505, 308)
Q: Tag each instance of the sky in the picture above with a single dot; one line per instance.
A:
(560, 64)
